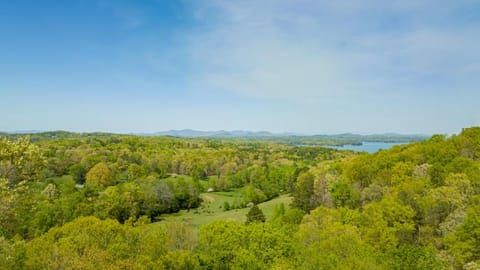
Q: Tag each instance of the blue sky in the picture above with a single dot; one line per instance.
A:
(306, 66)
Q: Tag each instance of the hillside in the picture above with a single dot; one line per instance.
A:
(134, 202)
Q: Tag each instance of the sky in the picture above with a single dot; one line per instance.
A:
(304, 66)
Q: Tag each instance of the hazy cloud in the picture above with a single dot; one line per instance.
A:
(281, 65)
(304, 50)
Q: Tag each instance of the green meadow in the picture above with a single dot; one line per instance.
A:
(212, 208)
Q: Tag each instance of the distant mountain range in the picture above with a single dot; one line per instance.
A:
(190, 133)
(288, 138)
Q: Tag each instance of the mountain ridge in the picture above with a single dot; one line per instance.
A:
(191, 133)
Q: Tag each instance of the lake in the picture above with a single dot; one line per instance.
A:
(370, 147)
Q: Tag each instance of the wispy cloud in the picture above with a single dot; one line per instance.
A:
(308, 50)
(282, 65)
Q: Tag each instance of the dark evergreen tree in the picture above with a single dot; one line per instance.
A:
(255, 215)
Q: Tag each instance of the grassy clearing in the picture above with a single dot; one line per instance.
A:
(212, 209)
(203, 183)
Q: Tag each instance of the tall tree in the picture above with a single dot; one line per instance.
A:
(100, 175)
(303, 194)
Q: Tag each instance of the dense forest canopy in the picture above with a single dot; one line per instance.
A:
(97, 201)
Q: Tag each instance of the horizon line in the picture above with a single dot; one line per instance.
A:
(272, 133)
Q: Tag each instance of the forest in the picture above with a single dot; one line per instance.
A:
(102, 201)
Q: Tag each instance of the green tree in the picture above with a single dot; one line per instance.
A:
(85, 243)
(255, 215)
(327, 241)
(344, 195)
(386, 223)
(78, 172)
(12, 254)
(199, 173)
(293, 216)
(464, 244)
(100, 175)
(120, 202)
(303, 194)
(229, 245)
(181, 260)
(20, 161)
(413, 257)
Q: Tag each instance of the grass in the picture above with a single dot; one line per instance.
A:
(203, 183)
(212, 209)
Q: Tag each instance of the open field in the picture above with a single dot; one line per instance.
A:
(212, 209)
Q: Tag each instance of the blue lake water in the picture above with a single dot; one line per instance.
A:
(370, 147)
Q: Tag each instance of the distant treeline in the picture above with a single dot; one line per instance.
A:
(294, 140)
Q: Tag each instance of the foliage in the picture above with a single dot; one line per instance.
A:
(20, 161)
(255, 215)
(415, 206)
(464, 243)
(99, 175)
(231, 245)
(304, 191)
(344, 195)
(413, 257)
